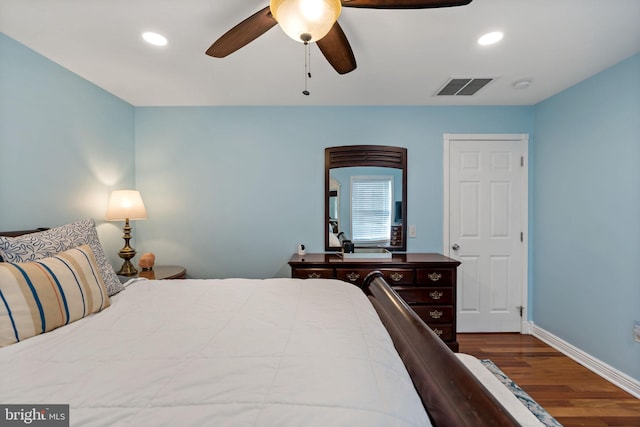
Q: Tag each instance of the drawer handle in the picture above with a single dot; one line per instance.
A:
(435, 314)
(434, 276)
(314, 276)
(438, 332)
(396, 277)
(353, 276)
(436, 294)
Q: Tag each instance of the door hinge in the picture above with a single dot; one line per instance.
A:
(521, 161)
(521, 309)
(522, 236)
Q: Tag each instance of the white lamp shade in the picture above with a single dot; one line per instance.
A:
(125, 204)
(310, 17)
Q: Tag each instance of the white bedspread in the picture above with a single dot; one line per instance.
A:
(235, 352)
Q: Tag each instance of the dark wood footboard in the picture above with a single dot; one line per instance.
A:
(450, 393)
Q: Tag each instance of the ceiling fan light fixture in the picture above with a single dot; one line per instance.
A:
(306, 20)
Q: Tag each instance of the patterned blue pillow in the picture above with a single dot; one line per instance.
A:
(35, 246)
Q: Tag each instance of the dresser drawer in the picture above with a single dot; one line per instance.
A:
(353, 275)
(425, 295)
(398, 276)
(435, 277)
(445, 332)
(434, 313)
(313, 273)
(393, 276)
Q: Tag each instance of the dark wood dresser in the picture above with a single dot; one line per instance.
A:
(426, 281)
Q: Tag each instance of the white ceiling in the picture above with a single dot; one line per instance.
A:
(403, 56)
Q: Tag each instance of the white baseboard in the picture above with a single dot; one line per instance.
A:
(607, 372)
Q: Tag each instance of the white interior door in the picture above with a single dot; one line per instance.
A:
(485, 229)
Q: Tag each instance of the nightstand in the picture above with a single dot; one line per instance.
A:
(160, 272)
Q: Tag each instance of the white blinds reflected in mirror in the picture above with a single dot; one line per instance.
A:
(371, 209)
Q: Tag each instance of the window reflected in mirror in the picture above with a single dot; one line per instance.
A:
(371, 209)
(371, 204)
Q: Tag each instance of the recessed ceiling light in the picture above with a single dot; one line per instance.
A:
(154, 38)
(490, 38)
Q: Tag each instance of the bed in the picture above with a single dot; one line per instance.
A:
(230, 352)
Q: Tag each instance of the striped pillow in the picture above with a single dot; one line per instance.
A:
(37, 297)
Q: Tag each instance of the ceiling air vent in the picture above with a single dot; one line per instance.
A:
(455, 87)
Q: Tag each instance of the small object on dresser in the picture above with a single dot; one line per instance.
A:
(301, 249)
(348, 247)
(147, 260)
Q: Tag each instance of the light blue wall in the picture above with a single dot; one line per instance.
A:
(231, 191)
(586, 213)
(64, 143)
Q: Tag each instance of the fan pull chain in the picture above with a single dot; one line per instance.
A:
(307, 67)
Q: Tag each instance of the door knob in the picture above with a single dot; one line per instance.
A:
(455, 246)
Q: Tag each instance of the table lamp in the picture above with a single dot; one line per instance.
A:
(125, 205)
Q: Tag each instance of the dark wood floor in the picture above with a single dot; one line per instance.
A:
(571, 393)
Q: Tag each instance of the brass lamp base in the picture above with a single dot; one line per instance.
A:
(127, 269)
(127, 253)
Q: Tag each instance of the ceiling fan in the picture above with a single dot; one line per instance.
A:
(334, 45)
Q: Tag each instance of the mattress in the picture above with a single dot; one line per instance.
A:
(232, 352)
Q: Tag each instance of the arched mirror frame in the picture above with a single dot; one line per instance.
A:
(365, 155)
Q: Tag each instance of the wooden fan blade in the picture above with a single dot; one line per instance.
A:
(403, 4)
(336, 48)
(243, 33)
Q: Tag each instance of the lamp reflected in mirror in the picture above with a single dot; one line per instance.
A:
(334, 207)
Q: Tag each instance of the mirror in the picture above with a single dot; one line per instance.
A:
(366, 197)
